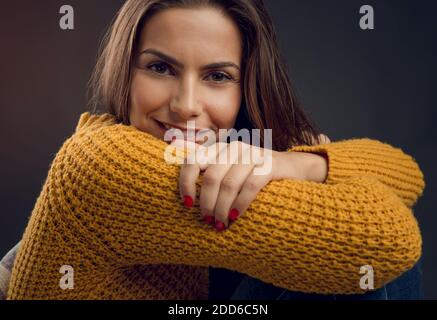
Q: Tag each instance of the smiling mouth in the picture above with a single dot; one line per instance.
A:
(188, 133)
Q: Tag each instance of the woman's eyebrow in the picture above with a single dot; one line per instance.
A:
(173, 61)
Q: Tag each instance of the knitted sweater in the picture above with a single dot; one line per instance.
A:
(110, 209)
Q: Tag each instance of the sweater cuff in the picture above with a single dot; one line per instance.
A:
(339, 161)
(365, 156)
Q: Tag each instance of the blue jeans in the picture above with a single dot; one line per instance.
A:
(408, 286)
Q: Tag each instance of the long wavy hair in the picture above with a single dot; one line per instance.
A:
(269, 101)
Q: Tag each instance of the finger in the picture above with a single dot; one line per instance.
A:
(189, 172)
(189, 147)
(249, 191)
(187, 183)
(206, 156)
(229, 189)
(199, 154)
(324, 139)
(210, 188)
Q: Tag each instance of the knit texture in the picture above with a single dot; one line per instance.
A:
(390, 165)
(110, 208)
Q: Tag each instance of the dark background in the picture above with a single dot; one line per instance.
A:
(353, 83)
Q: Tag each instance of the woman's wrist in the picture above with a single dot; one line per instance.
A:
(317, 167)
(301, 166)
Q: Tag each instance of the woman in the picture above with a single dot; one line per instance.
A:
(108, 223)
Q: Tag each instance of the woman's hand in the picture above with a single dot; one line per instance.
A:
(234, 173)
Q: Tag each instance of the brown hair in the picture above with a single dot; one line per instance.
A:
(269, 101)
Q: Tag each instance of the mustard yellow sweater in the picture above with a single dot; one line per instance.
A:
(110, 209)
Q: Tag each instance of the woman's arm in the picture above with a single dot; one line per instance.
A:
(389, 165)
(299, 235)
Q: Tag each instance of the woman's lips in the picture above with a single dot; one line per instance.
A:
(187, 133)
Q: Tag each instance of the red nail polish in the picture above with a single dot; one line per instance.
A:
(188, 202)
(234, 214)
(219, 226)
(208, 219)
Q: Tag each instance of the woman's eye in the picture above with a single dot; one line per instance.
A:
(160, 68)
(219, 77)
(164, 69)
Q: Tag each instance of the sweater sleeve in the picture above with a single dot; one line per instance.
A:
(389, 165)
(299, 235)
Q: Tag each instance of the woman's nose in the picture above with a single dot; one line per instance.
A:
(186, 101)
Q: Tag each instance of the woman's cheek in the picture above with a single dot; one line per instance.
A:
(224, 108)
(148, 94)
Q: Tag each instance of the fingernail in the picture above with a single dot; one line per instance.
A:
(208, 219)
(234, 214)
(188, 202)
(219, 226)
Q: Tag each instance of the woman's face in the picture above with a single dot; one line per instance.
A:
(188, 68)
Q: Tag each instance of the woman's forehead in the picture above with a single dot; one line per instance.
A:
(193, 33)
